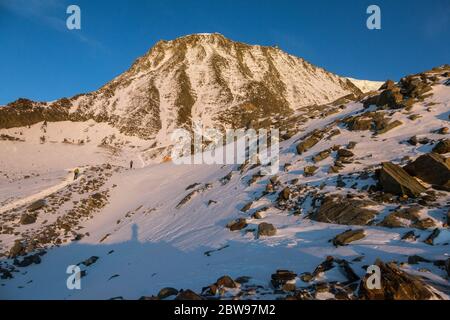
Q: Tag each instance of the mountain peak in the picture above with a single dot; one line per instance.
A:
(207, 78)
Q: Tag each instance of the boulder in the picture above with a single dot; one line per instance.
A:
(395, 285)
(431, 168)
(17, 249)
(395, 180)
(28, 219)
(237, 224)
(247, 207)
(167, 292)
(37, 205)
(389, 126)
(266, 229)
(397, 218)
(340, 210)
(348, 236)
(434, 234)
(442, 147)
(284, 280)
(188, 295)
(344, 153)
(90, 261)
(389, 84)
(307, 144)
(351, 145)
(322, 155)
(285, 194)
(28, 260)
(424, 224)
(309, 171)
(226, 282)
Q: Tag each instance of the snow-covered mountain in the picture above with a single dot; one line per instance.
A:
(204, 77)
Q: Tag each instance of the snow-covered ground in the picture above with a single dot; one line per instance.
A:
(146, 241)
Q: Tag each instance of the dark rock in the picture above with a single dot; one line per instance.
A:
(266, 229)
(17, 249)
(285, 194)
(259, 214)
(348, 271)
(309, 171)
(396, 219)
(389, 84)
(90, 261)
(395, 180)
(148, 298)
(284, 280)
(242, 279)
(413, 141)
(188, 295)
(28, 219)
(322, 155)
(247, 207)
(395, 285)
(442, 147)
(434, 234)
(339, 210)
(306, 277)
(344, 153)
(351, 145)
(237, 224)
(28, 260)
(167, 292)
(226, 282)
(37, 205)
(389, 126)
(415, 259)
(348, 237)
(443, 130)
(424, 224)
(324, 266)
(307, 144)
(431, 168)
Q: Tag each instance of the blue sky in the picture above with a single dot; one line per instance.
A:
(42, 60)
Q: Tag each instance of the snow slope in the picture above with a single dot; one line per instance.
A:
(366, 85)
(145, 240)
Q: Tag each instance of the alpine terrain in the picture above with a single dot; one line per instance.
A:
(364, 180)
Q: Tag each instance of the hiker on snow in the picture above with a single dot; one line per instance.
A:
(76, 172)
(131, 164)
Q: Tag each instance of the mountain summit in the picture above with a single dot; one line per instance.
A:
(200, 77)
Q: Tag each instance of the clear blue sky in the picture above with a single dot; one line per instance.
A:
(42, 60)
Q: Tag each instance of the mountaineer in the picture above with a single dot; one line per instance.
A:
(76, 173)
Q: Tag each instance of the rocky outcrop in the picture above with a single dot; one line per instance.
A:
(266, 229)
(348, 236)
(167, 292)
(395, 180)
(340, 210)
(188, 295)
(431, 168)
(442, 147)
(284, 280)
(237, 224)
(37, 205)
(395, 285)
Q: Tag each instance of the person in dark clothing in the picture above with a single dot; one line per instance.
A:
(131, 164)
(76, 173)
